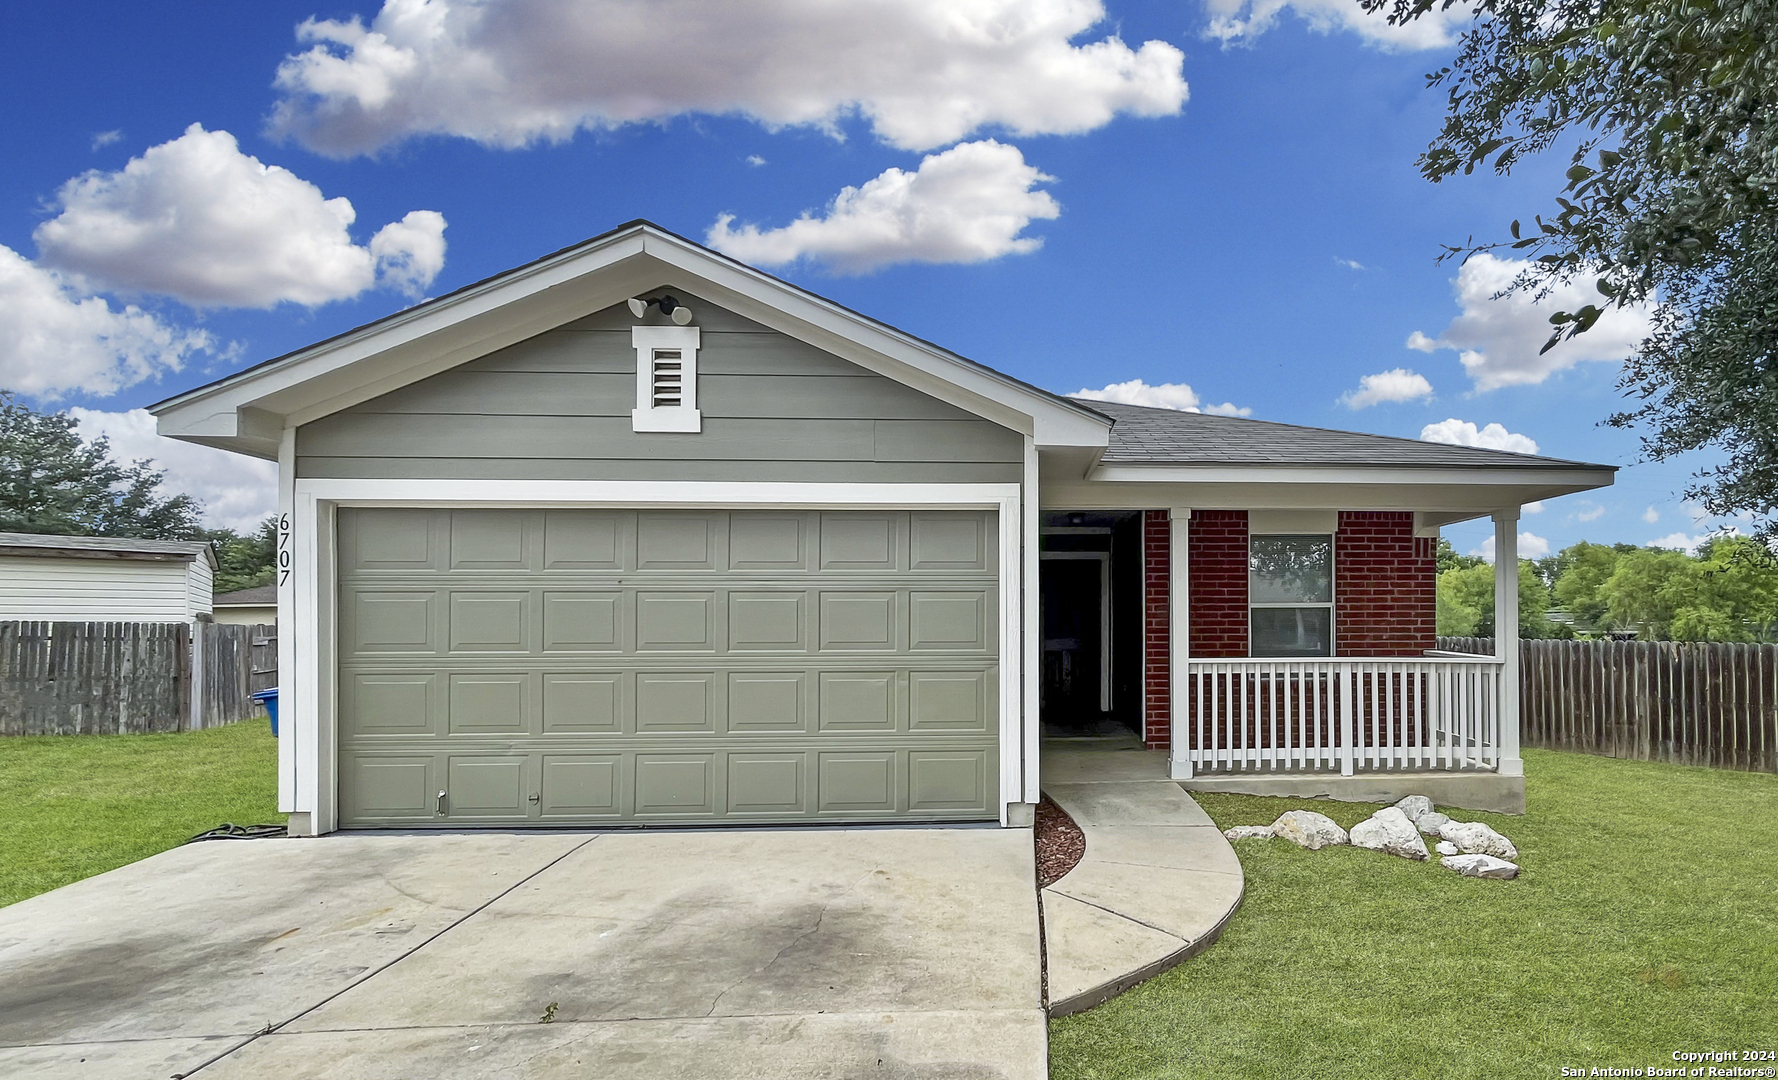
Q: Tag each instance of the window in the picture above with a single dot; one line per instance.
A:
(1290, 595)
(666, 379)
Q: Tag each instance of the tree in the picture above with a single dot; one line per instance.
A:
(1576, 574)
(1671, 200)
(1728, 593)
(1448, 559)
(1466, 602)
(52, 481)
(245, 561)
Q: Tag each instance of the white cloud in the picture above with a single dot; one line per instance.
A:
(1588, 510)
(1531, 546)
(106, 138)
(966, 205)
(198, 220)
(57, 339)
(922, 73)
(1396, 384)
(1532, 507)
(1463, 433)
(1498, 339)
(755, 160)
(1349, 264)
(1235, 21)
(1178, 396)
(237, 492)
(1651, 515)
(1679, 541)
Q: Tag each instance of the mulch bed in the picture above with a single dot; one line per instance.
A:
(1060, 843)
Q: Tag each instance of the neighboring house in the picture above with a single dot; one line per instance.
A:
(257, 606)
(552, 562)
(103, 579)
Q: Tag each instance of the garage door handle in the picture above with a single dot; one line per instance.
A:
(441, 801)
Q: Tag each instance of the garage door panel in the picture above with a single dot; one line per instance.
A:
(402, 704)
(583, 702)
(581, 786)
(857, 781)
(582, 621)
(766, 784)
(675, 621)
(585, 540)
(488, 540)
(685, 667)
(489, 703)
(767, 621)
(948, 780)
(767, 701)
(676, 541)
(768, 541)
(390, 622)
(675, 785)
(948, 621)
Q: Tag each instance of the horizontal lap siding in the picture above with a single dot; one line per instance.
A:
(557, 406)
(95, 590)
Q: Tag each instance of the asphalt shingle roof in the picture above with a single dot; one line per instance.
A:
(1147, 436)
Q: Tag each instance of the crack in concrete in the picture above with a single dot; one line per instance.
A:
(1121, 915)
(799, 939)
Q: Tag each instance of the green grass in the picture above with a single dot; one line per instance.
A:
(72, 806)
(1645, 920)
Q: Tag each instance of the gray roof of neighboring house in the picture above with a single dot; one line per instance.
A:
(1149, 436)
(258, 596)
(105, 547)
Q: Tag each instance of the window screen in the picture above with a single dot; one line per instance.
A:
(1290, 593)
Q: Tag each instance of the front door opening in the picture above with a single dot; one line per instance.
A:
(1091, 599)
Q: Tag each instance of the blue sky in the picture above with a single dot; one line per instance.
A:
(1035, 189)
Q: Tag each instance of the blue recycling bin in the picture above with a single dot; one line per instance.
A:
(269, 698)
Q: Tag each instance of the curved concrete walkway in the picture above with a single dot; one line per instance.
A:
(1157, 883)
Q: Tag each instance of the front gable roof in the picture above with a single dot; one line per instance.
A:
(248, 411)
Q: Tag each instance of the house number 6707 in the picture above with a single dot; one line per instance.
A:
(283, 548)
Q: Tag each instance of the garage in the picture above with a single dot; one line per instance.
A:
(601, 666)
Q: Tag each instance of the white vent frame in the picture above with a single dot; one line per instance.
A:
(682, 416)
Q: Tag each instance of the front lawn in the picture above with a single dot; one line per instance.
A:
(1645, 921)
(72, 806)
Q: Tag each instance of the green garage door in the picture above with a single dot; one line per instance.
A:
(580, 667)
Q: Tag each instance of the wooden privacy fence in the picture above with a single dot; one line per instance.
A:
(1694, 703)
(70, 678)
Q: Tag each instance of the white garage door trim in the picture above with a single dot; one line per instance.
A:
(308, 780)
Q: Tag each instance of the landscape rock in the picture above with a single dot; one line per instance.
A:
(1389, 831)
(1415, 805)
(1250, 832)
(1475, 838)
(1306, 828)
(1482, 866)
(1445, 847)
(1430, 822)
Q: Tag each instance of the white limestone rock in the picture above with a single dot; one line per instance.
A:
(1475, 838)
(1445, 847)
(1250, 832)
(1430, 822)
(1306, 828)
(1415, 805)
(1389, 831)
(1482, 866)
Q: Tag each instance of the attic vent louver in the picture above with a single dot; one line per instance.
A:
(666, 379)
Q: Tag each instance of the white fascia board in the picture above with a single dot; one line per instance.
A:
(887, 352)
(1458, 501)
(1571, 479)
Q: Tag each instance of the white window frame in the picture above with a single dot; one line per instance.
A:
(308, 781)
(1333, 645)
(685, 416)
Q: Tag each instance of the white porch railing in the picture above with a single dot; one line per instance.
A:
(1350, 715)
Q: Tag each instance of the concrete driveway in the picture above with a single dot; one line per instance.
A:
(715, 953)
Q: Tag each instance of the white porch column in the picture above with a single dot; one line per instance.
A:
(1179, 642)
(1506, 636)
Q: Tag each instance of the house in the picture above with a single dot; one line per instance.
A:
(103, 579)
(257, 606)
(636, 534)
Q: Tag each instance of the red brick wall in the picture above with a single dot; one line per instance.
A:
(1156, 632)
(1385, 581)
(1218, 583)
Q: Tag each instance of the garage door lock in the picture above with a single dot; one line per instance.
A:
(440, 812)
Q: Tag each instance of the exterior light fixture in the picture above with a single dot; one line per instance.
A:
(670, 307)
